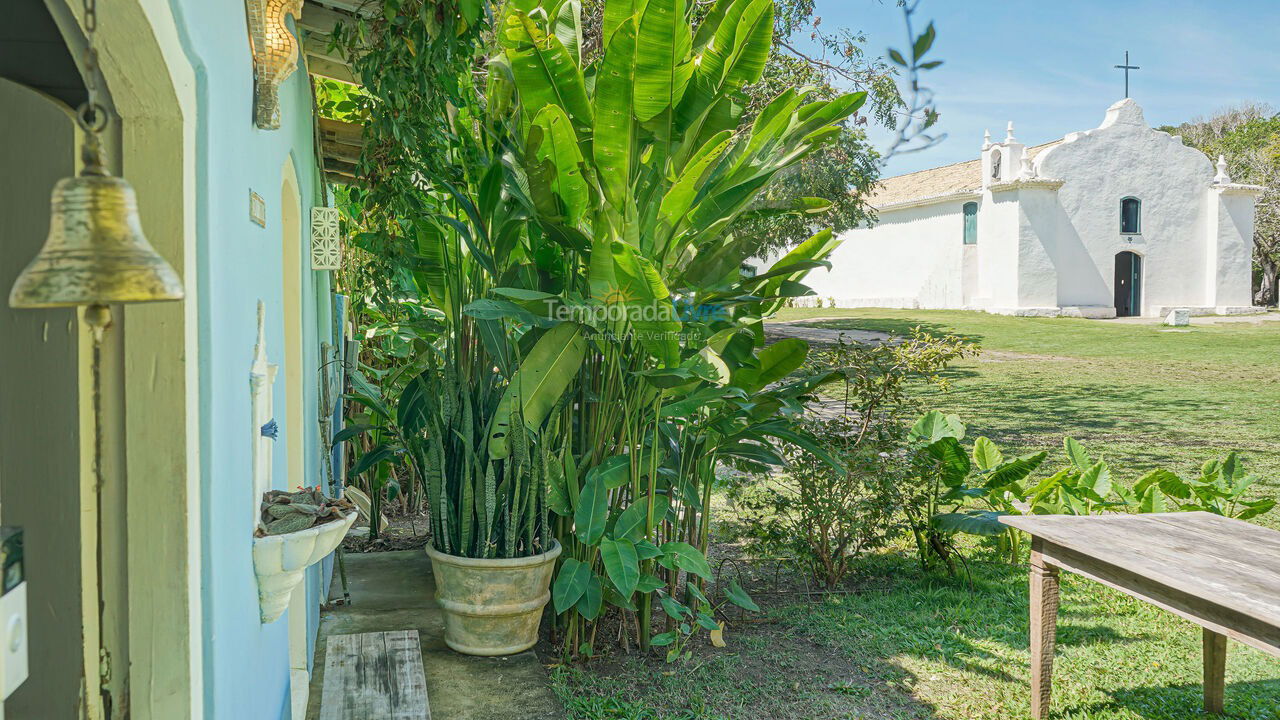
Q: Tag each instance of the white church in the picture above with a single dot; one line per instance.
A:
(1116, 221)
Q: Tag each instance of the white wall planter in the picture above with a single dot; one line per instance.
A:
(280, 561)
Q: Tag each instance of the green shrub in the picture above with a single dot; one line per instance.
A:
(948, 482)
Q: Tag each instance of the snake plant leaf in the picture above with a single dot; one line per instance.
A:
(541, 379)
(571, 583)
(662, 68)
(593, 511)
(544, 72)
(558, 145)
(613, 137)
(557, 490)
(621, 564)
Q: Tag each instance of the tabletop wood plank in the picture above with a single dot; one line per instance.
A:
(1226, 561)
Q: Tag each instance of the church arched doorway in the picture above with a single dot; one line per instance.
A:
(1128, 284)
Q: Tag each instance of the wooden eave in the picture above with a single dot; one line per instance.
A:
(340, 142)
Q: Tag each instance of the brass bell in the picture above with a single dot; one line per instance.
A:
(96, 252)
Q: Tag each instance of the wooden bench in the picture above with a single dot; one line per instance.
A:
(1219, 573)
(374, 676)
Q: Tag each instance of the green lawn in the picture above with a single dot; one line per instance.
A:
(909, 645)
(1142, 395)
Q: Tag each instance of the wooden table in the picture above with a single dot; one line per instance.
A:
(1219, 573)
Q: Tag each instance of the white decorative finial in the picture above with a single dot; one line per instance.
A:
(1009, 133)
(1222, 178)
(1028, 171)
(986, 140)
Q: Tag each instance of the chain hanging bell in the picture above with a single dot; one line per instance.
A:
(95, 252)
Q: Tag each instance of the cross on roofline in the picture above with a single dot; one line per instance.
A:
(1127, 67)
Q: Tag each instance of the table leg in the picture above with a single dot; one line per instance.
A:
(1215, 670)
(1044, 630)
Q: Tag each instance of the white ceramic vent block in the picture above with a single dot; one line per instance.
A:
(326, 248)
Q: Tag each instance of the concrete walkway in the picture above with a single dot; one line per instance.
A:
(775, 331)
(394, 591)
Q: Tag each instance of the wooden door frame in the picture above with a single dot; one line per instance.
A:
(152, 617)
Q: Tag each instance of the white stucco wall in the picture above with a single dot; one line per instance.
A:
(1048, 238)
(1229, 272)
(910, 258)
(1126, 158)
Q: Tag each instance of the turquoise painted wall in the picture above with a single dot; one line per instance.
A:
(246, 663)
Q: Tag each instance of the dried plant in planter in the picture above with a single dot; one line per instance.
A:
(287, 512)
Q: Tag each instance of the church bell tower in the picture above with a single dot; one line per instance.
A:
(1002, 161)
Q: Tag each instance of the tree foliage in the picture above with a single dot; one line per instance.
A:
(1248, 136)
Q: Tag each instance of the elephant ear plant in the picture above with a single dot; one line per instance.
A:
(636, 168)
(952, 481)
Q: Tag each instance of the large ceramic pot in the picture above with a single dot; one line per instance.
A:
(280, 561)
(492, 607)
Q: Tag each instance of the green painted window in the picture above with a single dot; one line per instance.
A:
(971, 223)
(1131, 215)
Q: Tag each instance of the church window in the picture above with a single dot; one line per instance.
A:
(1130, 215)
(995, 165)
(971, 223)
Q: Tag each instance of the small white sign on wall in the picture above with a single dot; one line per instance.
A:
(326, 248)
(257, 209)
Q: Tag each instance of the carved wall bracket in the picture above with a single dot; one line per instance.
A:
(275, 55)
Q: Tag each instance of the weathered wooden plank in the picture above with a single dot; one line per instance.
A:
(373, 698)
(374, 675)
(1192, 555)
(321, 20)
(362, 7)
(1194, 607)
(326, 68)
(341, 655)
(341, 132)
(408, 681)
(1215, 671)
(1044, 630)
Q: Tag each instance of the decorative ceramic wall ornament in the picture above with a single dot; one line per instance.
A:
(275, 55)
(261, 376)
(257, 209)
(326, 249)
(280, 561)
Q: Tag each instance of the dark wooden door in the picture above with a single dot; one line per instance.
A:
(1128, 284)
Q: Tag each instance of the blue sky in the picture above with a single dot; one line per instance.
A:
(1047, 64)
